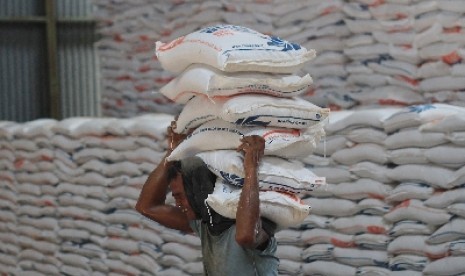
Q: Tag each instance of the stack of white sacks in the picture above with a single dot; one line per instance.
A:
(37, 226)
(370, 52)
(394, 199)
(8, 200)
(68, 191)
(321, 27)
(405, 52)
(235, 82)
(393, 205)
(102, 164)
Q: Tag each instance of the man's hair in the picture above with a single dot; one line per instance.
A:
(174, 170)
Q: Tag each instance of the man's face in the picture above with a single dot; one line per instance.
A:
(179, 195)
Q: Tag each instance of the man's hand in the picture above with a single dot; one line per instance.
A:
(253, 147)
(174, 139)
(249, 232)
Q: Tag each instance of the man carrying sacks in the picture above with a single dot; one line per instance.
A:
(232, 162)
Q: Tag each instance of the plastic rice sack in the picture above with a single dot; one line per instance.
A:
(347, 119)
(408, 262)
(414, 138)
(283, 142)
(274, 173)
(451, 231)
(417, 115)
(410, 190)
(415, 245)
(445, 266)
(406, 156)
(232, 48)
(327, 268)
(204, 80)
(443, 199)
(361, 152)
(317, 236)
(437, 177)
(457, 209)
(450, 123)
(331, 206)
(251, 110)
(413, 209)
(360, 257)
(447, 156)
(360, 224)
(318, 252)
(283, 209)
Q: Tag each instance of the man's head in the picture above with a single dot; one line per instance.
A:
(178, 191)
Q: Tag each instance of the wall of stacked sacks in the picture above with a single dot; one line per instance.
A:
(393, 205)
(370, 52)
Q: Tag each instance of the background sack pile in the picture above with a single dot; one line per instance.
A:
(394, 202)
(68, 191)
(370, 52)
(242, 83)
(392, 205)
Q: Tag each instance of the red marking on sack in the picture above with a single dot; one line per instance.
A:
(401, 15)
(310, 92)
(340, 243)
(373, 229)
(391, 102)
(19, 163)
(409, 80)
(118, 38)
(403, 204)
(206, 43)
(293, 132)
(377, 196)
(171, 45)
(437, 256)
(162, 80)
(329, 10)
(144, 68)
(166, 32)
(119, 102)
(223, 33)
(144, 37)
(334, 107)
(141, 87)
(451, 58)
(46, 158)
(290, 195)
(376, 3)
(48, 203)
(452, 30)
(124, 77)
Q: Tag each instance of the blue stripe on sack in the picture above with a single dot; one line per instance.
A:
(239, 181)
(264, 87)
(255, 120)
